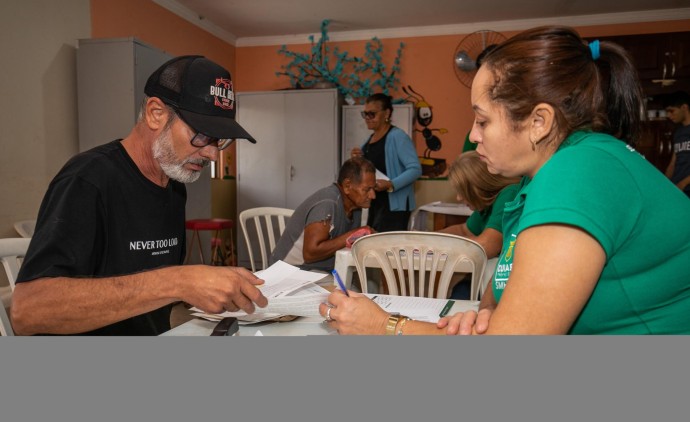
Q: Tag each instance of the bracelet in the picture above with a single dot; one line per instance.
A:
(390, 189)
(392, 323)
(402, 324)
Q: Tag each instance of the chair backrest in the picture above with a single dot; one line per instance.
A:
(263, 233)
(12, 252)
(25, 228)
(419, 263)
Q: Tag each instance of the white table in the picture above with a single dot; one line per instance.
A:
(299, 327)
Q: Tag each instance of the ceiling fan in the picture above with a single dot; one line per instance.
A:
(467, 51)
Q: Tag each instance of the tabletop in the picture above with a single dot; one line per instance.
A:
(303, 326)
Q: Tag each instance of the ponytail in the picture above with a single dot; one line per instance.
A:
(622, 92)
(591, 87)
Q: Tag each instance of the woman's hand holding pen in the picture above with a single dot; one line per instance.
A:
(466, 323)
(356, 314)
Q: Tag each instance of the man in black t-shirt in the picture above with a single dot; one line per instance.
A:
(106, 255)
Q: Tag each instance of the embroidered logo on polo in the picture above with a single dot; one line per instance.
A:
(222, 93)
(504, 266)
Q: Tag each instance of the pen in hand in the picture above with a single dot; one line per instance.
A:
(340, 282)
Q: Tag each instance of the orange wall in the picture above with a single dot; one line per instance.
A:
(426, 65)
(158, 27)
(426, 61)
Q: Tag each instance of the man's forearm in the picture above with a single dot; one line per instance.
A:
(324, 249)
(64, 305)
(683, 183)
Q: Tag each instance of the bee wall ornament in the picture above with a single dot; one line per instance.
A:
(431, 167)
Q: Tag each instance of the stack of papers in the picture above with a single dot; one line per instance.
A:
(291, 291)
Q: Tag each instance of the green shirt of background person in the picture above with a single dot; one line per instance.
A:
(485, 194)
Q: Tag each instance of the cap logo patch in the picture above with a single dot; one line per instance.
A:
(222, 94)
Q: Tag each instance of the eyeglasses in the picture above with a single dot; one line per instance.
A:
(200, 140)
(369, 114)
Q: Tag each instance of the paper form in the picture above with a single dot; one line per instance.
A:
(303, 305)
(381, 175)
(418, 308)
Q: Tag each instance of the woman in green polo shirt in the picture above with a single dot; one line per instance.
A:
(597, 240)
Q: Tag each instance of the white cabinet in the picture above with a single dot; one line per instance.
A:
(297, 150)
(111, 75)
(355, 130)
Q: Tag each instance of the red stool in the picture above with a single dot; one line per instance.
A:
(215, 224)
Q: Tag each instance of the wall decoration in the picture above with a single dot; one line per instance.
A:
(355, 77)
(431, 167)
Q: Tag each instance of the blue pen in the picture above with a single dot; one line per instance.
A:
(340, 282)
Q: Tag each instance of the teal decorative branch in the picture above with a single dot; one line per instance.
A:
(355, 77)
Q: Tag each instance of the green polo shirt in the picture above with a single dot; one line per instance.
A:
(641, 220)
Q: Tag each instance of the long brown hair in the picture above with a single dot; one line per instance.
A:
(597, 91)
(472, 181)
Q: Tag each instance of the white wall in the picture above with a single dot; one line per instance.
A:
(38, 110)
(38, 100)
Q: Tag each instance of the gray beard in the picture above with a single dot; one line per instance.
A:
(164, 153)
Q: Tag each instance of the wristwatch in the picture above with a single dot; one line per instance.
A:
(392, 323)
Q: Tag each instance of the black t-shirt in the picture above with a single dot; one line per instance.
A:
(102, 217)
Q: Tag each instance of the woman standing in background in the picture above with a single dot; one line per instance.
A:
(394, 155)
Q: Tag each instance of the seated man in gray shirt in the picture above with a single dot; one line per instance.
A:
(322, 223)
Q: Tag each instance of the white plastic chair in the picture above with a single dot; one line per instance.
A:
(25, 228)
(12, 252)
(399, 255)
(263, 231)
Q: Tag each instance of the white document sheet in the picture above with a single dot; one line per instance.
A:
(381, 175)
(282, 279)
(418, 308)
(303, 305)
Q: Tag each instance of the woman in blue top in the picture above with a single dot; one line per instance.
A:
(393, 154)
(597, 240)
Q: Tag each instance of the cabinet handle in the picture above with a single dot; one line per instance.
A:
(663, 73)
(673, 69)
(292, 172)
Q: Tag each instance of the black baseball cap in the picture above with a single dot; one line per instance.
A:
(201, 91)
